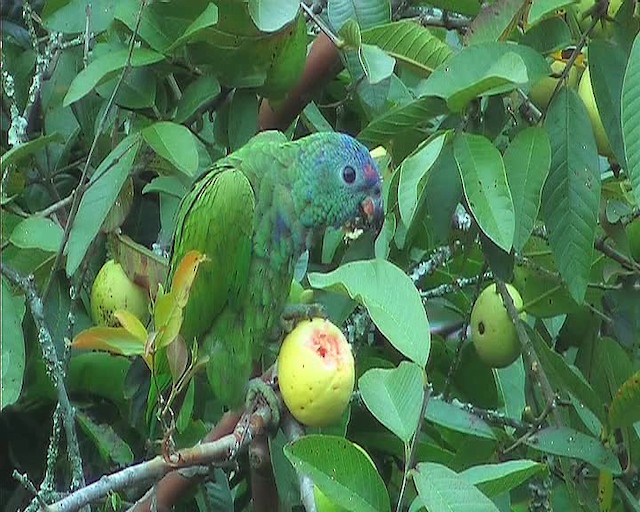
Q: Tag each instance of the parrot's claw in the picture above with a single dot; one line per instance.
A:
(261, 391)
(296, 313)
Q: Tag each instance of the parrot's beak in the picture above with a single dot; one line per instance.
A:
(373, 210)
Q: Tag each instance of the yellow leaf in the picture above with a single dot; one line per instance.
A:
(185, 275)
(116, 340)
(132, 324)
(168, 319)
(605, 490)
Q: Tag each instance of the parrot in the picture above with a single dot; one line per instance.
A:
(253, 213)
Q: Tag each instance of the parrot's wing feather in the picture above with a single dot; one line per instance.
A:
(216, 218)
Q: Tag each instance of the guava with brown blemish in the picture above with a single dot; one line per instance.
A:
(111, 291)
(316, 372)
(493, 333)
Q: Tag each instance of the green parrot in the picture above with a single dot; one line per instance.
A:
(253, 214)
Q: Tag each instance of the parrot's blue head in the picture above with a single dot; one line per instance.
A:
(341, 185)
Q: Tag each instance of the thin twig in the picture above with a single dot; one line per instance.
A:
(531, 358)
(85, 171)
(294, 431)
(56, 206)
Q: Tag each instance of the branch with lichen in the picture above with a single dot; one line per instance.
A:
(55, 370)
(205, 454)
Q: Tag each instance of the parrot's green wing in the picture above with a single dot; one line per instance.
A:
(215, 218)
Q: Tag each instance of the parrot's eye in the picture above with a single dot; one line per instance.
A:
(349, 174)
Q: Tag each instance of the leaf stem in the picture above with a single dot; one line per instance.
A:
(410, 459)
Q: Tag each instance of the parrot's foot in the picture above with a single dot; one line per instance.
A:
(295, 313)
(259, 393)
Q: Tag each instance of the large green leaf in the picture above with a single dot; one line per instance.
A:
(390, 298)
(495, 479)
(198, 94)
(540, 8)
(484, 69)
(571, 195)
(455, 418)
(17, 153)
(414, 173)
(527, 161)
(402, 118)
(36, 232)
(272, 15)
(104, 187)
(607, 62)
(440, 488)
(394, 397)
(625, 407)
(198, 29)
(13, 309)
(110, 445)
(367, 13)
(70, 17)
(174, 143)
(104, 67)
(354, 481)
(631, 117)
(409, 43)
(568, 442)
(563, 377)
(494, 22)
(485, 187)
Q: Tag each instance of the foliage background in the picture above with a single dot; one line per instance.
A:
(110, 110)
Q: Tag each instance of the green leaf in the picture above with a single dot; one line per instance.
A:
(510, 383)
(540, 8)
(350, 34)
(440, 488)
(377, 64)
(208, 18)
(354, 482)
(395, 397)
(485, 186)
(453, 417)
(198, 94)
(563, 377)
(402, 118)
(174, 143)
(409, 43)
(625, 407)
(607, 62)
(272, 15)
(110, 445)
(414, 172)
(104, 187)
(17, 153)
(484, 69)
(70, 17)
(494, 22)
(568, 442)
(367, 13)
(526, 162)
(37, 232)
(495, 479)
(631, 117)
(104, 67)
(13, 354)
(243, 118)
(550, 35)
(571, 195)
(390, 298)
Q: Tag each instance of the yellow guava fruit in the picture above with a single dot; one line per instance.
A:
(316, 372)
(113, 290)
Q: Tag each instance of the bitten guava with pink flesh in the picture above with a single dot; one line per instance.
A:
(316, 372)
